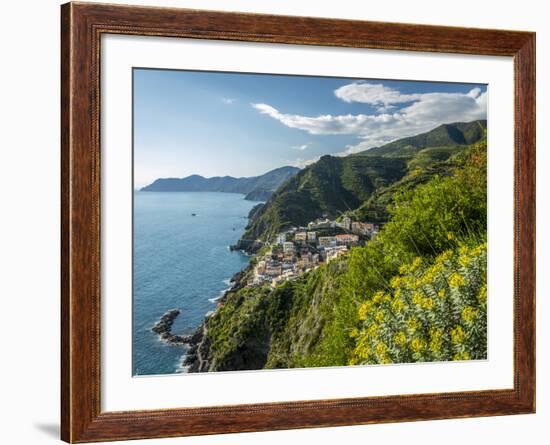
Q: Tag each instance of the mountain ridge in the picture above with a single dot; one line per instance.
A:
(335, 185)
(444, 135)
(256, 188)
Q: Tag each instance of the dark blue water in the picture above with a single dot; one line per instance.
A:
(180, 261)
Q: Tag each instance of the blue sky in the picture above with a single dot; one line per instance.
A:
(216, 124)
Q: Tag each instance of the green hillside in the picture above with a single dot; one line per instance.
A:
(421, 168)
(446, 135)
(416, 292)
(362, 184)
(331, 186)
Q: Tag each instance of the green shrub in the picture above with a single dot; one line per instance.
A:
(430, 312)
(441, 215)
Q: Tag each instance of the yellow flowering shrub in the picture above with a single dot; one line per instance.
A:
(397, 305)
(400, 338)
(456, 280)
(413, 324)
(482, 295)
(436, 341)
(417, 345)
(462, 356)
(364, 309)
(469, 314)
(458, 335)
(427, 303)
(429, 312)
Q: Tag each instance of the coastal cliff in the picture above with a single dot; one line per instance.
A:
(266, 328)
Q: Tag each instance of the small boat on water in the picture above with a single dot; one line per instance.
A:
(193, 214)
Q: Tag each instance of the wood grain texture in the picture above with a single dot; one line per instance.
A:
(81, 28)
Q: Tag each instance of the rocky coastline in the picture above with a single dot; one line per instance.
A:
(197, 356)
(250, 247)
(163, 328)
(198, 343)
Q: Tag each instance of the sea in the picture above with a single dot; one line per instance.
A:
(181, 260)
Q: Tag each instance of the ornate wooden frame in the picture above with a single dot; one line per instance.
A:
(82, 25)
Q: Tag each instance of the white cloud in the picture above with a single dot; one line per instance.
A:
(301, 163)
(301, 147)
(427, 111)
(324, 124)
(373, 94)
(228, 100)
(474, 92)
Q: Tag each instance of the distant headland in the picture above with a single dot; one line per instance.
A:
(255, 188)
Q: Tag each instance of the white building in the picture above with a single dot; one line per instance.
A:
(260, 268)
(274, 270)
(321, 224)
(327, 241)
(288, 247)
(364, 228)
(345, 223)
(334, 252)
(346, 239)
(281, 238)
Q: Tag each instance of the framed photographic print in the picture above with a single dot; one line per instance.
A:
(275, 222)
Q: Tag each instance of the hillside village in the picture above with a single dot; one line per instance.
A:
(301, 249)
